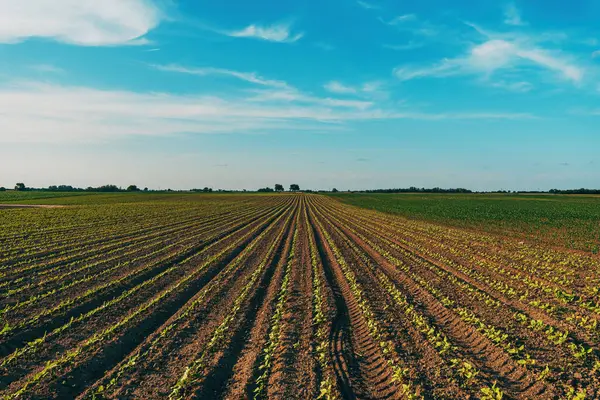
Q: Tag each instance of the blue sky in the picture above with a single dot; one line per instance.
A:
(347, 94)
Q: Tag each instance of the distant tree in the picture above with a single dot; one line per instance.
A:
(20, 187)
(145, 189)
(2, 189)
(207, 189)
(265, 190)
(105, 188)
(132, 188)
(63, 188)
(574, 191)
(413, 189)
(334, 190)
(279, 187)
(294, 187)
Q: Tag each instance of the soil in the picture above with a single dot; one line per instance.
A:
(186, 308)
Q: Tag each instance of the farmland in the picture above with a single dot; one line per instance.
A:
(569, 221)
(301, 296)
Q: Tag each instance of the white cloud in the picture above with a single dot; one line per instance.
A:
(402, 18)
(410, 24)
(337, 87)
(520, 87)
(596, 54)
(491, 55)
(371, 86)
(590, 42)
(401, 47)
(79, 22)
(445, 68)
(368, 6)
(292, 95)
(245, 76)
(47, 68)
(367, 89)
(49, 113)
(273, 33)
(555, 63)
(494, 55)
(44, 113)
(512, 15)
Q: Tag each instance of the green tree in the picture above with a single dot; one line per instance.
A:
(132, 188)
(20, 187)
(294, 187)
(334, 190)
(279, 187)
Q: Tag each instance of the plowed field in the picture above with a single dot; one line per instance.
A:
(287, 297)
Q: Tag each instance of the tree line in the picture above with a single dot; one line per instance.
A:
(279, 188)
(413, 189)
(293, 188)
(21, 187)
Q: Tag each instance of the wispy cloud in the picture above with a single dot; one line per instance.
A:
(402, 47)
(53, 113)
(46, 113)
(47, 68)
(553, 62)
(520, 86)
(368, 6)
(495, 55)
(512, 15)
(400, 19)
(273, 33)
(445, 68)
(412, 25)
(596, 54)
(585, 111)
(370, 89)
(337, 87)
(293, 95)
(590, 42)
(85, 23)
(250, 77)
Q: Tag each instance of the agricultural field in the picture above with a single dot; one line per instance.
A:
(287, 296)
(570, 221)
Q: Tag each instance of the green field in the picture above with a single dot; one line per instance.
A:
(571, 221)
(230, 296)
(92, 198)
(11, 196)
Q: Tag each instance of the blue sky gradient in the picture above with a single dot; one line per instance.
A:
(348, 94)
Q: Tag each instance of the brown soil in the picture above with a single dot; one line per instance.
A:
(209, 286)
(30, 206)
